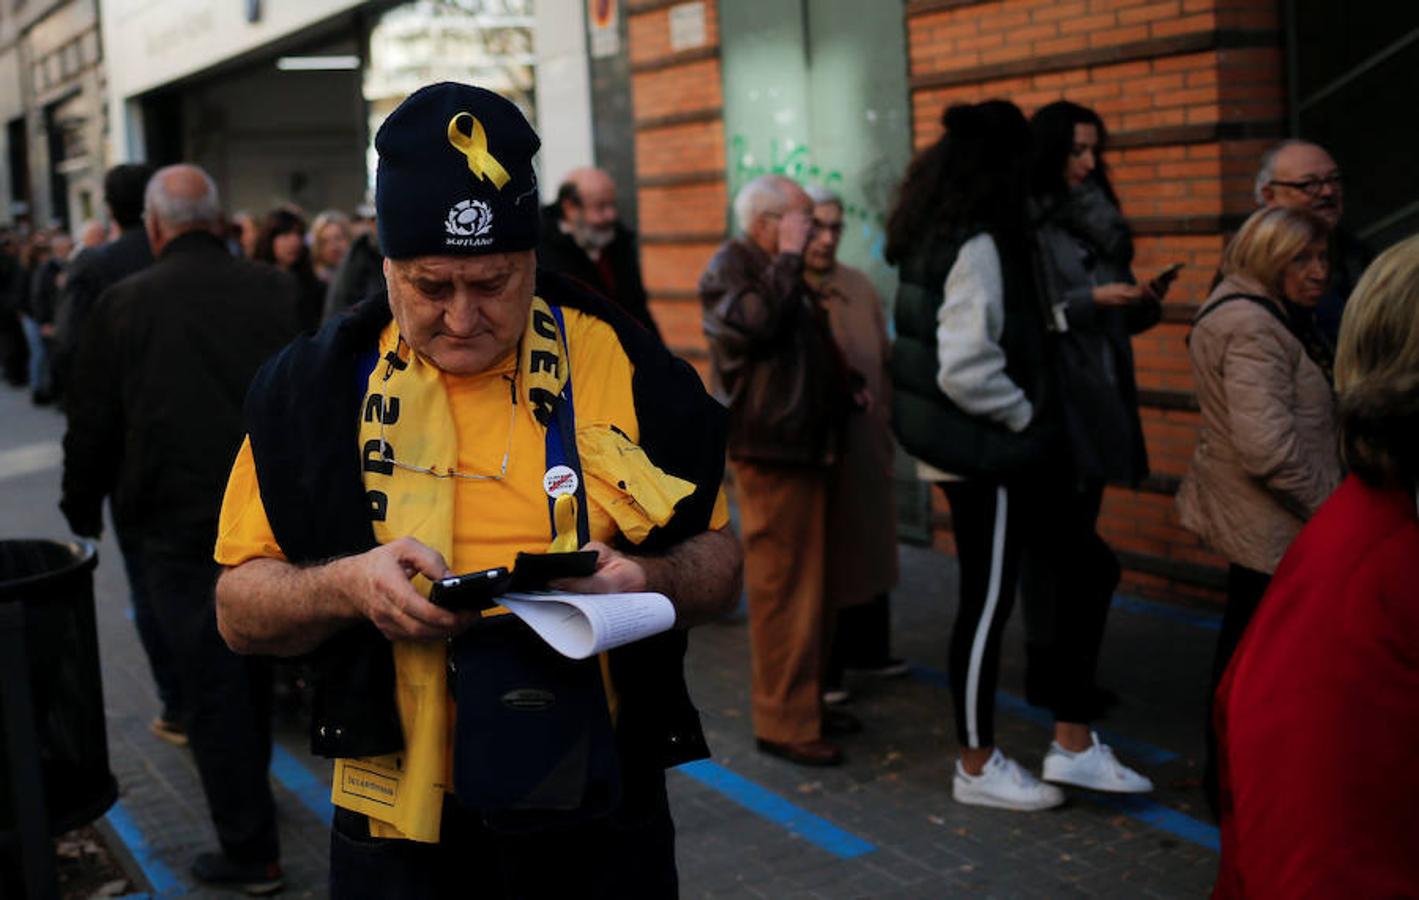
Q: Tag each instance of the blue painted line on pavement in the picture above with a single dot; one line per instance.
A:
(313, 794)
(159, 876)
(1163, 818)
(771, 806)
(1142, 751)
(1195, 618)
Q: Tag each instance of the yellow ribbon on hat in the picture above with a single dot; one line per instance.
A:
(475, 146)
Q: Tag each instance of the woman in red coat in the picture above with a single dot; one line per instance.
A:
(1318, 715)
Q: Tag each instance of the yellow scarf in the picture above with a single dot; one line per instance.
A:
(402, 793)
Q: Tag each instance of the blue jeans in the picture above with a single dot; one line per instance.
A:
(39, 356)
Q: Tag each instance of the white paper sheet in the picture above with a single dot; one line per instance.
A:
(582, 625)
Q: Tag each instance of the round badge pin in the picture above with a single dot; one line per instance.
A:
(559, 480)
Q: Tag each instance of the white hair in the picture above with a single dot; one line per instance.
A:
(822, 196)
(1267, 170)
(177, 212)
(761, 196)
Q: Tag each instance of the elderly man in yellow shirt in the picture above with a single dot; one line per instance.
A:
(443, 430)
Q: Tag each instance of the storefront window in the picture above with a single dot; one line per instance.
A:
(484, 42)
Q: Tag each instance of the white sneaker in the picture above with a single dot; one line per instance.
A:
(1003, 784)
(1096, 768)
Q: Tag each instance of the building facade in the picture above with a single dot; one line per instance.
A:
(1192, 92)
(685, 100)
(51, 105)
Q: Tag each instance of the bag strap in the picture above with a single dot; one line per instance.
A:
(561, 446)
(1263, 302)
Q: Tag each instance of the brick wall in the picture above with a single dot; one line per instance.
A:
(1191, 91)
(680, 167)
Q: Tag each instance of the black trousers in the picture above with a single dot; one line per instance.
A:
(629, 854)
(1043, 532)
(988, 521)
(226, 705)
(1067, 582)
(150, 632)
(1245, 588)
(861, 638)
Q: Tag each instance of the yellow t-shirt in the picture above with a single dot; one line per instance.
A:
(493, 520)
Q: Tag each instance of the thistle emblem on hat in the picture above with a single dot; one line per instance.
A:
(469, 218)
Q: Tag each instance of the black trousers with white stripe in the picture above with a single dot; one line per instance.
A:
(989, 523)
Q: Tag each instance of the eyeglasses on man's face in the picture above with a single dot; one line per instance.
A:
(1313, 187)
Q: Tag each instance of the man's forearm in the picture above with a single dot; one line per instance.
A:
(273, 607)
(700, 575)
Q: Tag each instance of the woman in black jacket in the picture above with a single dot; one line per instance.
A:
(1068, 577)
(976, 403)
(281, 242)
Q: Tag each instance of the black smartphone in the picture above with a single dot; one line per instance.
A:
(1164, 279)
(532, 571)
(475, 590)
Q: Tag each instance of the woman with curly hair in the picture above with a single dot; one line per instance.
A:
(976, 402)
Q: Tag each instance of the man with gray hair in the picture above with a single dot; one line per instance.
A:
(155, 419)
(1298, 174)
(778, 371)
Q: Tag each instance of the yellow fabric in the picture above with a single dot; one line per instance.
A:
(641, 495)
(412, 414)
(475, 147)
(564, 538)
(488, 522)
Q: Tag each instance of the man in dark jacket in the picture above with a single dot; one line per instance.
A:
(92, 272)
(583, 238)
(1301, 175)
(95, 270)
(777, 369)
(373, 460)
(154, 421)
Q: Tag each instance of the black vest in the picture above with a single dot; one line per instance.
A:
(929, 426)
(302, 417)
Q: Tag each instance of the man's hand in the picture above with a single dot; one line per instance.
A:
(1121, 294)
(270, 606)
(794, 227)
(616, 573)
(700, 575)
(378, 583)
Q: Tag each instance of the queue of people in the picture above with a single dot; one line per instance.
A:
(367, 464)
(1013, 387)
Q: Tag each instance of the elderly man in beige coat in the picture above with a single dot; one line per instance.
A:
(862, 517)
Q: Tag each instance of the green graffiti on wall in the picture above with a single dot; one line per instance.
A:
(795, 160)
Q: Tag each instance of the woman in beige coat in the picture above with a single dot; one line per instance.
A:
(1267, 455)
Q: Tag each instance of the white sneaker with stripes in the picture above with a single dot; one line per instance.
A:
(1096, 768)
(1004, 784)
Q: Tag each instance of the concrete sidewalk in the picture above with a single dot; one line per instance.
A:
(749, 825)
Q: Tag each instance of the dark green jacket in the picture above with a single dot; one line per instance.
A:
(932, 428)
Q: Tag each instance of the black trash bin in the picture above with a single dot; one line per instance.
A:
(49, 663)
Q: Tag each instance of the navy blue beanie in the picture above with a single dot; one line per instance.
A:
(455, 175)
